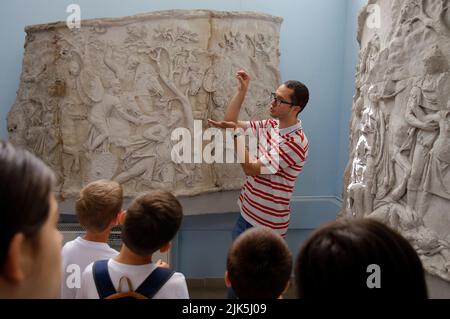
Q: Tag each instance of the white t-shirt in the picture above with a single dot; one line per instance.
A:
(174, 288)
(76, 255)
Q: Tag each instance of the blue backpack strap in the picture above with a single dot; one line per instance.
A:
(102, 279)
(154, 282)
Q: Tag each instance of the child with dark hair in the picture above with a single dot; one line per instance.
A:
(358, 258)
(259, 265)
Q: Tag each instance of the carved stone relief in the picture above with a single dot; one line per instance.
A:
(102, 101)
(399, 167)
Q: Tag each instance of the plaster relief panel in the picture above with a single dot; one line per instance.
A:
(102, 101)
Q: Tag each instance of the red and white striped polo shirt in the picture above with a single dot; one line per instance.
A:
(264, 199)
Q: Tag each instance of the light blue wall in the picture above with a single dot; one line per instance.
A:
(318, 47)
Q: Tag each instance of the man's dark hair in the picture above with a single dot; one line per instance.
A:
(300, 96)
(259, 264)
(25, 187)
(334, 262)
(151, 221)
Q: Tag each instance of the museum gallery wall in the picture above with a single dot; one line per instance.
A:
(399, 157)
(102, 101)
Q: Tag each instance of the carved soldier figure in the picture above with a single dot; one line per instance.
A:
(437, 177)
(426, 97)
(100, 113)
(143, 155)
(125, 74)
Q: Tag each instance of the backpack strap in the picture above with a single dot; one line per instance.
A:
(102, 279)
(154, 282)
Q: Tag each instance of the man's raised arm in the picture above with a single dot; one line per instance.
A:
(233, 109)
(251, 167)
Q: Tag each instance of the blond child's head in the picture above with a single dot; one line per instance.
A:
(99, 204)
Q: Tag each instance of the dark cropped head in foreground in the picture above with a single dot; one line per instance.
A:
(358, 258)
(259, 265)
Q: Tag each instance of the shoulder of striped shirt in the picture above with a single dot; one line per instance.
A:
(273, 122)
(298, 147)
(297, 137)
(269, 122)
(264, 123)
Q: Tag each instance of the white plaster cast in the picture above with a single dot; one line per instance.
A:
(101, 101)
(399, 167)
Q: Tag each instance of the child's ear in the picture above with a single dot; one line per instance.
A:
(121, 217)
(227, 280)
(165, 248)
(14, 268)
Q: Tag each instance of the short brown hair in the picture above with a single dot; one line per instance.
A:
(98, 204)
(259, 264)
(334, 262)
(152, 220)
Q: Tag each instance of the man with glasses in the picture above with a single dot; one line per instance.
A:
(264, 199)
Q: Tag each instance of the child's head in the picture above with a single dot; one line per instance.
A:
(151, 222)
(98, 205)
(338, 259)
(30, 243)
(259, 265)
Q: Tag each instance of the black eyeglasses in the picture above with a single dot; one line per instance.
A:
(274, 97)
